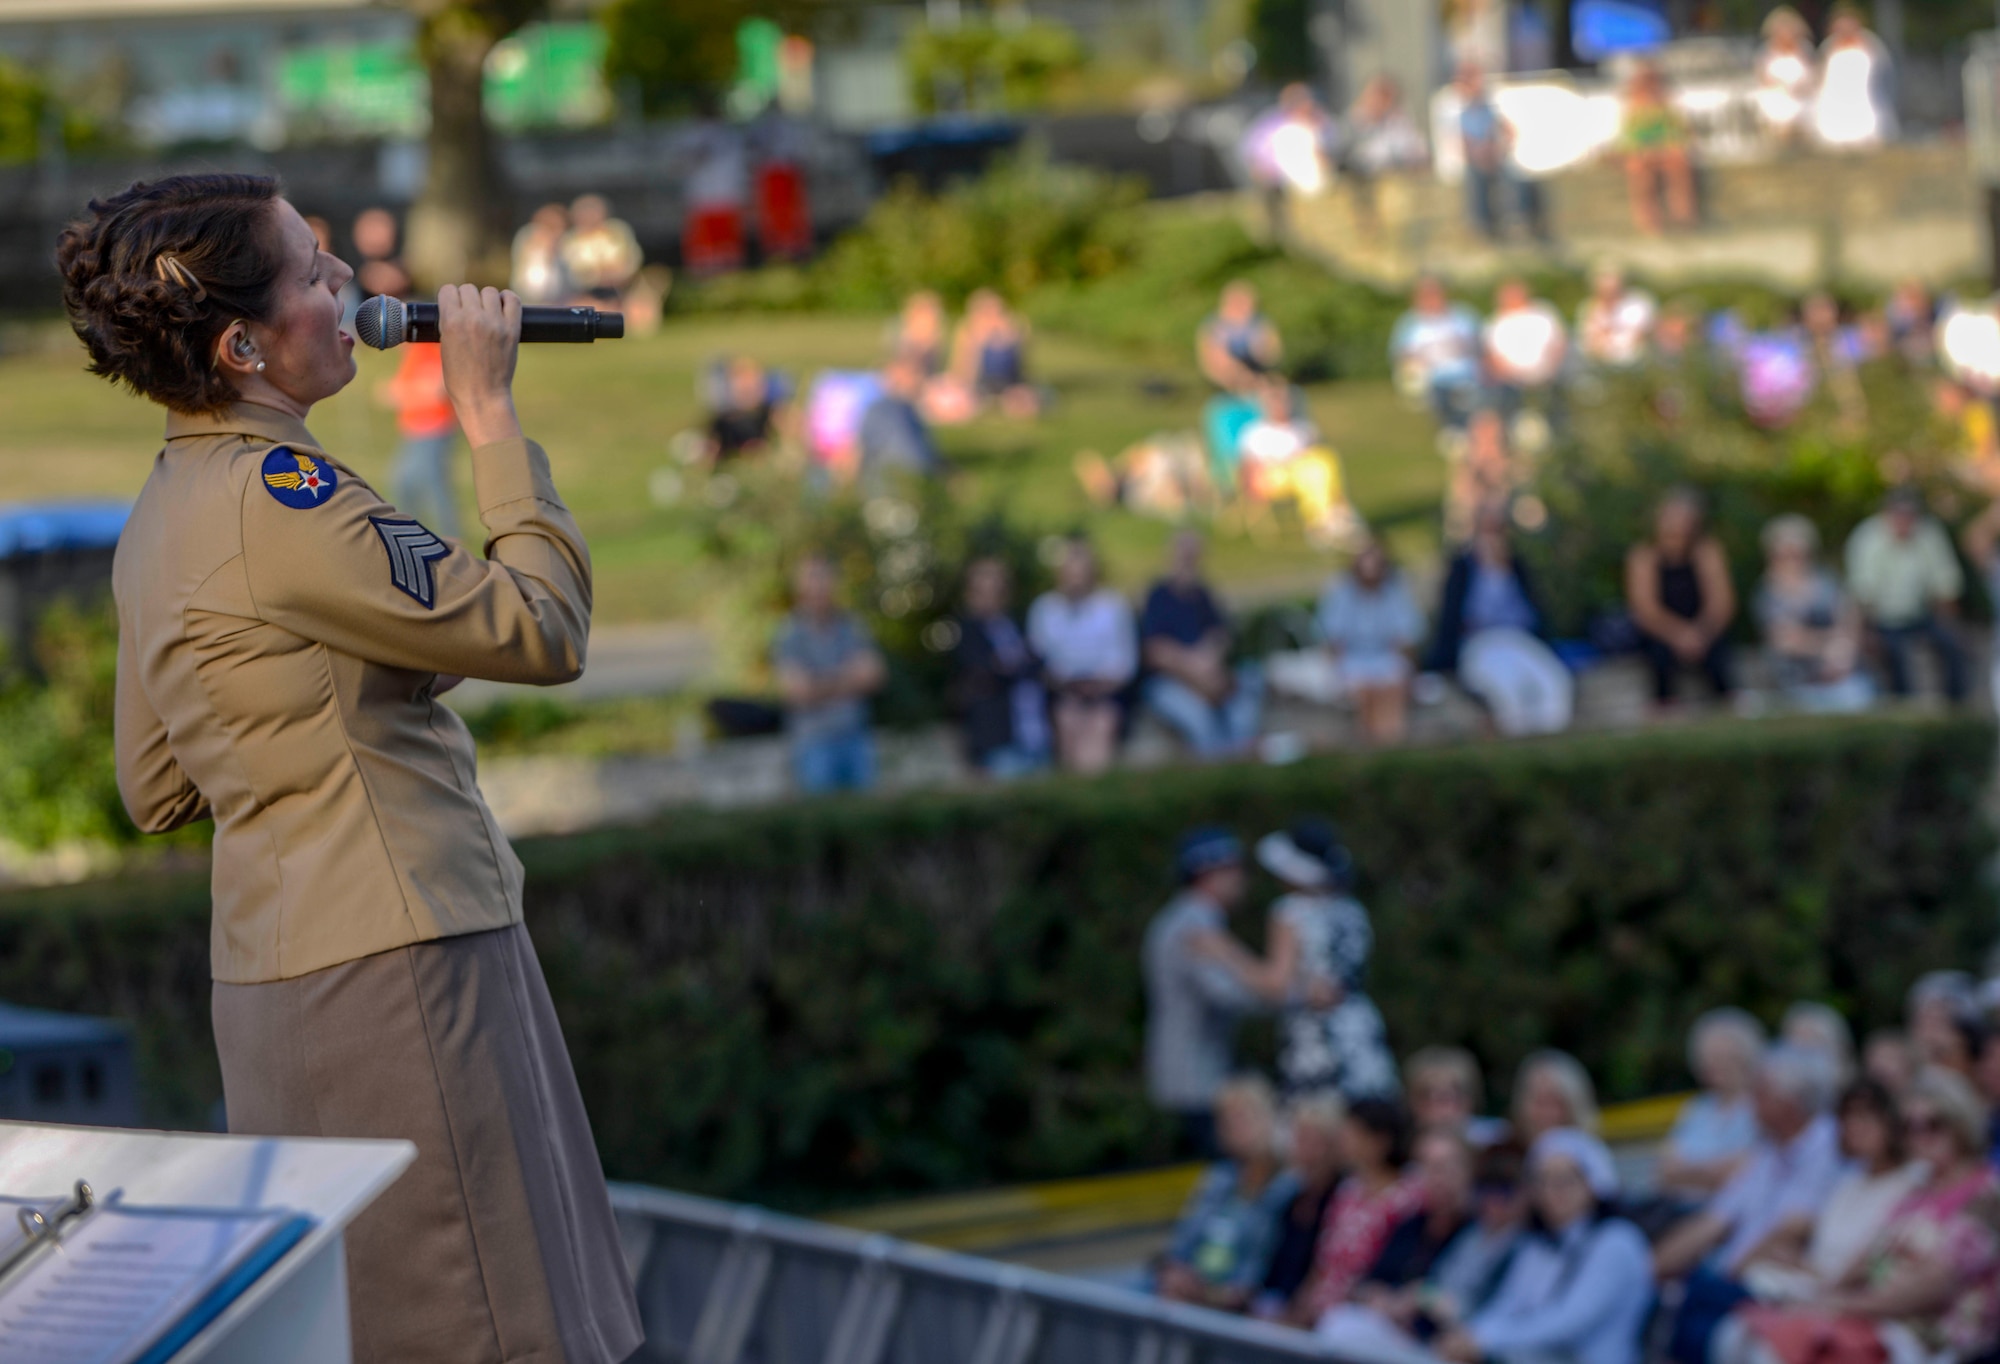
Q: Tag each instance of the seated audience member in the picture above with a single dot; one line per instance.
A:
(1281, 457)
(1435, 350)
(1460, 1281)
(1580, 1285)
(1811, 629)
(1193, 1002)
(1084, 635)
(1912, 316)
(1838, 352)
(1614, 328)
(1222, 1245)
(1236, 345)
(1678, 590)
(1806, 1255)
(538, 275)
(1925, 1288)
(996, 680)
(894, 438)
(1526, 346)
(827, 668)
(1445, 1090)
(1552, 1090)
(1316, 1166)
(745, 422)
(1819, 1028)
(1981, 539)
(1490, 635)
(1184, 641)
(1717, 1129)
(1890, 1061)
(990, 355)
(1942, 1007)
(1903, 573)
(1657, 160)
(1371, 1201)
(920, 332)
(1442, 1162)
(1788, 1175)
(1370, 626)
(600, 254)
(1382, 138)
(1331, 1038)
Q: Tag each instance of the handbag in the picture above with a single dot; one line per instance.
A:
(1802, 1336)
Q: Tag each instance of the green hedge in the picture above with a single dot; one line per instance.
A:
(834, 1001)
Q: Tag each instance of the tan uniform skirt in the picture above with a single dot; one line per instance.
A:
(498, 1245)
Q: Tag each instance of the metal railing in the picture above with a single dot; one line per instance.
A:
(720, 1283)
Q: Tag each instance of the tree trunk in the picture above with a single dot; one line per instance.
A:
(458, 230)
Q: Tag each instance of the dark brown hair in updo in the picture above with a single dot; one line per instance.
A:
(155, 273)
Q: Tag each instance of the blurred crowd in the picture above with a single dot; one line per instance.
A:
(1808, 1206)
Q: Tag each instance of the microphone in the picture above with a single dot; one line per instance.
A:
(383, 322)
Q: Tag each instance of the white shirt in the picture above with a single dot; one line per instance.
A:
(1855, 1211)
(1091, 640)
(1527, 345)
(1846, 113)
(1776, 1184)
(1617, 334)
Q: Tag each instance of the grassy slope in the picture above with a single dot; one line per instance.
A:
(607, 413)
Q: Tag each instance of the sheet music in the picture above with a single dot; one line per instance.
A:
(122, 1279)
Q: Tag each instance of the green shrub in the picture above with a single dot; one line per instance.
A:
(1022, 225)
(58, 780)
(988, 66)
(835, 1001)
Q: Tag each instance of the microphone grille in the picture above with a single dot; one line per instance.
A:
(381, 322)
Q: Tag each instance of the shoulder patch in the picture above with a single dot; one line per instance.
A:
(411, 548)
(298, 481)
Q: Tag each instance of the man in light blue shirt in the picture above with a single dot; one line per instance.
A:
(1436, 352)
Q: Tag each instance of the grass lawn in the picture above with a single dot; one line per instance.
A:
(607, 412)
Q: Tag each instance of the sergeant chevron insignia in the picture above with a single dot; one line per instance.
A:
(411, 548)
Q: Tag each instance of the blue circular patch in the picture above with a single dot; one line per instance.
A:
(297, 480)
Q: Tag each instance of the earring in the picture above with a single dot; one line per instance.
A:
(260, 366)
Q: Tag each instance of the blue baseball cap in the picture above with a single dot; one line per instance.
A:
(1206, 849)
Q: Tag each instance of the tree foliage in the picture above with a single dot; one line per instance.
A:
(986, 66)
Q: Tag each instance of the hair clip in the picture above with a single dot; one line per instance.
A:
(168, 267)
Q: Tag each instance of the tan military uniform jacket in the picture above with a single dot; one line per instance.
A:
(280, 631)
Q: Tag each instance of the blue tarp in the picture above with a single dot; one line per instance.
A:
(52, 527)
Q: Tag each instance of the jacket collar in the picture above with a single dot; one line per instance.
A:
(242, 419)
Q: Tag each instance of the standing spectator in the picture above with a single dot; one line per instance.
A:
(1489, 161)
(1237, 346)
(1331, 1038)
(1223, 1243)
(1926, 1288)
(1812, 631)
(381, 270)
(1490, 635)
(1371, 627)
(1316, 1166)
(1084, 636)
(1185, 640)
(990, 355)
(1678, 590)
(1526, 346)
(428, 425)
(1291, 148)
(1580, 1287)
(1790, 1174)
(1717, 1129)
(895, 439)
(827, 668)
(1193, 1001)
(1552, 1090)
(1787, 71)
(716, 188)
(996, 681)
(600, 254)
(538, 274)
(1381, 139)
(1435, 353)
(1902, 572)
(1614, 327)
(1854, 109)
(1658, 162)
(1370, 1202)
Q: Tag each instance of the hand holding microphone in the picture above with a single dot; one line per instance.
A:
(480, 330)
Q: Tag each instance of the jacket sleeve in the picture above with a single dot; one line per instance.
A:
(156, 792)
(355, 575)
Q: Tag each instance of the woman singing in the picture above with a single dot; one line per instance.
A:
(283, 635)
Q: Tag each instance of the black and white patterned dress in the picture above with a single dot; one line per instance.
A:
(1344, 1049)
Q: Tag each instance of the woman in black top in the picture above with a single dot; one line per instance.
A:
(1678, 590)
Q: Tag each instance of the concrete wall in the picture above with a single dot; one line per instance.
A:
(1907, 210)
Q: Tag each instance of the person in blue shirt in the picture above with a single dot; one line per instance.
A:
(1489, 165)
(1184, 640)
(1222, 1246)
(1581, 1285)
(1436, 353)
